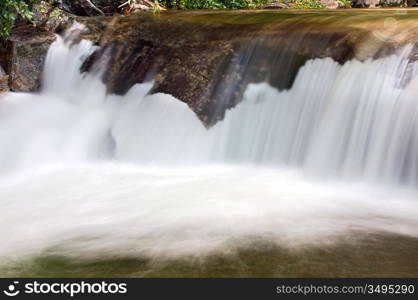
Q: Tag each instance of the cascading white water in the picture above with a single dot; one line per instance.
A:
(355, 120)
(83, 172)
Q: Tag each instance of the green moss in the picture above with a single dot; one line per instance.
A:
(346, 3)
(368, 256)
(56, 13)
(308, 4)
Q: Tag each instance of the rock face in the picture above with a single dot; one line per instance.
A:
(3, 56)
(208, 65)
(207, 59)
(28, 45)
(4, 81)
(27, 50)
(4, 78)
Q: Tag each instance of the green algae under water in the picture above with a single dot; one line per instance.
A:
(369, 256)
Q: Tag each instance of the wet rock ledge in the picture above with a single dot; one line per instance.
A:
(206, 59)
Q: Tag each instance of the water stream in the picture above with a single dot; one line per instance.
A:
(86, 174)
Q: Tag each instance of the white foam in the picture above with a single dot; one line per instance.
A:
(108, 210)
(84, 173)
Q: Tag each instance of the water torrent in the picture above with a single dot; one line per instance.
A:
(86, 174)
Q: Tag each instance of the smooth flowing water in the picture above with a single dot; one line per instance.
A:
(88, 175)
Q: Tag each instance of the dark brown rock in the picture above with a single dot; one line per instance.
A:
(4, 81)
(27, 50)
(27, 47)
(3, 56)
(208, 65)
(207, 59)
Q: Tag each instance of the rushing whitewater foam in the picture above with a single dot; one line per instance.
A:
(82, 172)
(353, 121)
(125, 210)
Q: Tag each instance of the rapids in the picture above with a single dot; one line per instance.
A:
(85, 174)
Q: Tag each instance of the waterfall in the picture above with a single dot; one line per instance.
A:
(140, 173)
(358, 120)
